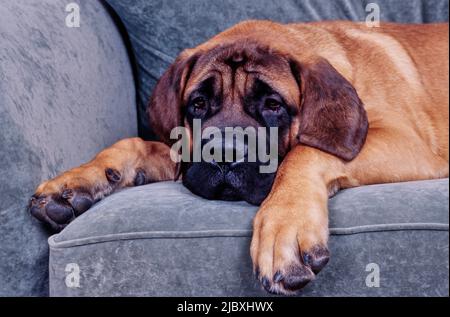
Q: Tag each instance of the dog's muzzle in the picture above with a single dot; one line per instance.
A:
(233, 177)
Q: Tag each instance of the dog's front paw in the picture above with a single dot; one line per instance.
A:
(288, 248)
(58, 209)
(60, 200)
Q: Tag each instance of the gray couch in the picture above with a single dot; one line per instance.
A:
(66, 93)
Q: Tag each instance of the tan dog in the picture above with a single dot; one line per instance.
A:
(354, 105)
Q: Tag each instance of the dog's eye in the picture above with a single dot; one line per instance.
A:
(272, 104)
(198, 107)
(199, 103)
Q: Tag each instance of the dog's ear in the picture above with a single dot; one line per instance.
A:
(331, 117)
(164, 108)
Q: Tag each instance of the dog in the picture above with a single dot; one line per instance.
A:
(353, 106)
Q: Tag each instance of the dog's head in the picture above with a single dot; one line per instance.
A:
(244, 78)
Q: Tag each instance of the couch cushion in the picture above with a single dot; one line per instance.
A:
(160, 29)
(160, 239)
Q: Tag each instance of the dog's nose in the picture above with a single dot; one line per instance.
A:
(232, 152)
(225, 166)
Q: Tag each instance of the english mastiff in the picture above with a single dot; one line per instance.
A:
(352, 105)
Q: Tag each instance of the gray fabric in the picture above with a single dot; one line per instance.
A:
(160, 29)
(161, 240)
(65, 93)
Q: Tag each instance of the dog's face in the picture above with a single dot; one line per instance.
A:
(246, 84)
(237, 86)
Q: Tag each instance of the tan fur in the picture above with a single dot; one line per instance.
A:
(126, 156)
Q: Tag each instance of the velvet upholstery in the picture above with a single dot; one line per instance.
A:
(65, 93)
(136, 243)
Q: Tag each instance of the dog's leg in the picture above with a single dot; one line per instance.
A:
(289, 244)
(129, 162)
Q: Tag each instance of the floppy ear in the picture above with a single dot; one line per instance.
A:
(332, 117)
(164, 108)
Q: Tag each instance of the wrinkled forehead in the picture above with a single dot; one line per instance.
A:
(228, 65)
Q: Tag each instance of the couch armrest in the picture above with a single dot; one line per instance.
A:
(65, 93)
